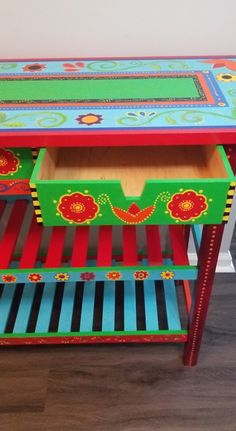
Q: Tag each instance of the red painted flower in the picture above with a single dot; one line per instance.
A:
(78, 208)
(36, 67)
(87, 276)
(141, 275)
(9, 163)
(113, 275)
(134, 215)
(8, 278)
(73, 67)
(187, 206)
(35, 277)
(89, 119)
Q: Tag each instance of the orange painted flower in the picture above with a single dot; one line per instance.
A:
(134, 214)
(114, 275)
(9, 163)
(35, 277)
(87, 276)
(141, 275)
(8, 278)
(78, 208)
(167, 275)
(35, 67)
(187, 206)
(62, 276)
(89, 119)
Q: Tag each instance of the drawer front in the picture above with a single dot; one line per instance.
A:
(60, 202)
(16, 166)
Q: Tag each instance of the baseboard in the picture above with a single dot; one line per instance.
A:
(225, 262)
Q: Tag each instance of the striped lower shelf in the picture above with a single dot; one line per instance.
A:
(94, 312)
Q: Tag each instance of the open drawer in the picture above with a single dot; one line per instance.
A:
(132, 185)
(16, 167)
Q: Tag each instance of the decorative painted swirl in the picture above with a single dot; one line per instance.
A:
(46, 119)
(20, 185)
(6, 66)
(107, 66)
(133, 119)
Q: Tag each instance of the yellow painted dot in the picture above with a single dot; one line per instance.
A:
(100, 215)
(86, 191)
(69, 190)
(200, 191)
(181, 190)
(210, 200)
(57, 214)
(54, 201)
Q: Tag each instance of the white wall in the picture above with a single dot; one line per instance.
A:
(64, 28)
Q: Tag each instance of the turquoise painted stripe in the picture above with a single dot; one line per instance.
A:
(130, 319)
(108, 313)
(197, 236)
(5, 304)
(66, 314)
(24, 310)
(45, 309)
(150, 303)
(87, 312)
(172, 310)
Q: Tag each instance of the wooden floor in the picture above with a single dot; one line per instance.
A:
(126, 388)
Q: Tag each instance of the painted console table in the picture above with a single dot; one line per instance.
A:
(130, 143)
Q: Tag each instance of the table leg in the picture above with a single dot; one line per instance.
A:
(207, 261)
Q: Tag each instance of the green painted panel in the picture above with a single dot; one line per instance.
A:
(103, 202)
(102, 89)
(17, 162)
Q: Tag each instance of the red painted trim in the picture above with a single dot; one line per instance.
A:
(2, 207)
(136, 137)
(153, 245)
(11, 233)
(129, 246)
(80, 247)
(181, 338)
(33, 59)
(104, 254)
(187, 295)
(13, 190)
(179, 247)
(208, 256)
(31, 246)
(55, 248)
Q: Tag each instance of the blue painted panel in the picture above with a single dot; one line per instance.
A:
(197, 236)
(150, 303)
(108, 314)
(5, 304)
(24, 310)
(87, 312)
(172, 310)
(130, 319)
(45, 309)
(66, 314)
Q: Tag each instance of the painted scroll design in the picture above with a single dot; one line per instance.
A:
(111, 66)
(46, 119)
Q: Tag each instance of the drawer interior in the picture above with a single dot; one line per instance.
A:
(132, 165)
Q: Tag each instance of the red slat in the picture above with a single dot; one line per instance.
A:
(11, 233)
(104, 256)
(187, 295)
(31, 245)
(2, 207)
(80, 249)
(153, 245)
(178, 243)
(129, 246)
(55, 248)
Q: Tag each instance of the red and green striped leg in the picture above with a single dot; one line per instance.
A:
(208, 256)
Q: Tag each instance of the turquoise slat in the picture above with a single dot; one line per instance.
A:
(24, 310)
(150, 303)
(65, 319)
(130, 320)
(87, 312)
(5, 304)
(45, 308)
(172, 310)
(108, 313)
(197, 236)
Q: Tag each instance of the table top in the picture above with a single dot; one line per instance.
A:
(115, 101)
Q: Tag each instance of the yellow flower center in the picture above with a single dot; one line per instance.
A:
(3, 161)
(186, 205)
(77, 207)
(89, 119)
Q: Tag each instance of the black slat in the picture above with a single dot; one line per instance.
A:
(160, 296)
(140, 307)
(98, 306)
(119, 306)
(56, 308)
(76, 315)
(14, 307)
(35, 307)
